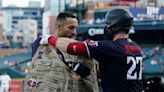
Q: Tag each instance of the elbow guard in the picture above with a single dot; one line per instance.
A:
(77, 48)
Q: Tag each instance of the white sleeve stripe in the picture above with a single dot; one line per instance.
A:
(87, 49)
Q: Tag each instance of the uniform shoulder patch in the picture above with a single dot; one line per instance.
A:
(92, 43)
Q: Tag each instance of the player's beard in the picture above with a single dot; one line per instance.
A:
(73, 36)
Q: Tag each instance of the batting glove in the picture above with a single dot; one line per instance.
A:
(81, 69)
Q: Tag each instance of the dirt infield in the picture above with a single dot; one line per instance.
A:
(12, 51)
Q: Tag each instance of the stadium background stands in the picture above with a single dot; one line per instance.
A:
(13, 61)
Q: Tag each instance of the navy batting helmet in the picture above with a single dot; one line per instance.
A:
(118, 20)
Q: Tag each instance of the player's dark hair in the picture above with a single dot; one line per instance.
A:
(63, 15)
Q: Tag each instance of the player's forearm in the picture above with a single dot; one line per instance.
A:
(60, 43)
(70, 46)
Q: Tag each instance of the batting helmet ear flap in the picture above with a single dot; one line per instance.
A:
(108, 35)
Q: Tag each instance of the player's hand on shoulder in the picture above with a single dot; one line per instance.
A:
(44, 39)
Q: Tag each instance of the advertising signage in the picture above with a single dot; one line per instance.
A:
(147, 13)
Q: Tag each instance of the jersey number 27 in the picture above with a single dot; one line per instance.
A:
(135, 70)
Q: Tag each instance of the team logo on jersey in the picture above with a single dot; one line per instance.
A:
(92, 43)
(32, 83)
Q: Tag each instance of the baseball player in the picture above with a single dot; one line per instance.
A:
(56, 71)
(5, 82)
